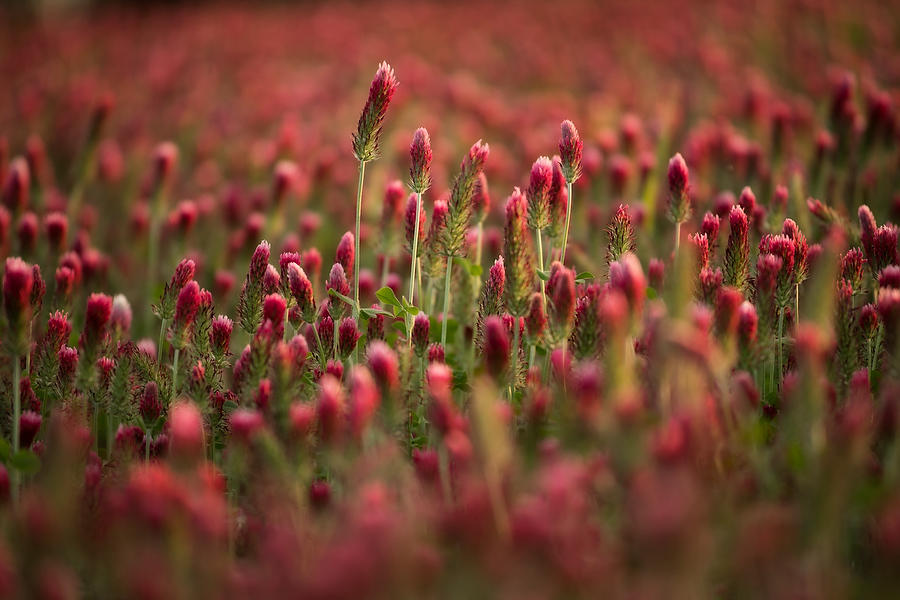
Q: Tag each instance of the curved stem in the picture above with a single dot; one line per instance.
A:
(162, 340)
(540, 253)
(356, 257)
(412, 266)
(446, 302)
(565, 240)
(175, 371)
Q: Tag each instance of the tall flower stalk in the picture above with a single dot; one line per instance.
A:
(679, 209)
(419, 181)
(571, 148)
(459, 213)
(366, 144)
(538, 195)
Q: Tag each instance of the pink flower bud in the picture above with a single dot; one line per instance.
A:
(330, 407)
(302, 291)
(186, 430)
(345, 252)
(728, 302)
(120, 317)
(679, 201)
(570, 151)
(99, 311)
(420, 161)
(29, 426)
(536, 319)
(18, 280)
(271, 281)
(259, 262)
(245, 423)
(538, 193)
(435, 353)
(366, 140)
(337, 280)
(348, 334)
(150, 404)
(747, 323)
(383, 363)
(363, 401)
(421, 326)
(496, 346)
(220, 334)
(27, 231)
(16, 186)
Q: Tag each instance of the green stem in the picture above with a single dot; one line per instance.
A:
(17, 411)
(565, 240)
(514, 362)
(540, 254)
(162, 341)
(147, 441)
(175, 371)
(356, 257)
(780, 345)
(446, 302)
(677, 237)
(412, 266)
(478, 243)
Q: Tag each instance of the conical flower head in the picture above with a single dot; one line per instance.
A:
(559, 200)
(517, 255)
(420, 330)
(367, 139)
(337, 280)
(302, 290)
(571, 148)
(345, 253)
(737, 254)
(561, 293)
(536, 319)
(460, 207)
(420, 161)
(679, 201)
(496, 346)
(538, 194)
(620, 235)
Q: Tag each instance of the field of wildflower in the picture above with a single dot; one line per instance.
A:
(426, 300)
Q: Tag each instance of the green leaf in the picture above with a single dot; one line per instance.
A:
(651, 293)
(399, 326)
(26, 462)
(544, 275)
(371, 312)
(229, 407)
(346, 299)
(4, 449)
(411, 309)
(387, 296)
(584, 276)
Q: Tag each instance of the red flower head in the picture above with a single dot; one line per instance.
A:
(496, 346)
(367, 138)
(420, 161)
(570, 151)
(538, 193)
(345, 252)
(420, 330)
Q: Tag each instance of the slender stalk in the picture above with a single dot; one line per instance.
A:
(514, 362)
(565, 240)
(175, 371)
(540, 254)
(17, 411)
(412, 266)
(147, 441)
(677, 236)
(162, 341)
(796, 307)
(446, 302)
(321, 352)
(780, 343)
(479, 242)
(356, 257)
